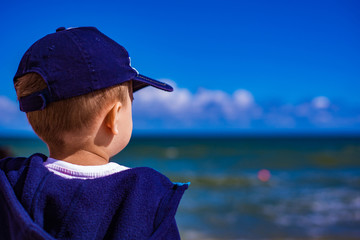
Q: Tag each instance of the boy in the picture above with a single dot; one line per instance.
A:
(76, 88)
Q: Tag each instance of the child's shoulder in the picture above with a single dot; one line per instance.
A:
(148, 176)
(11, 163)
(14, 166)
(145, 180)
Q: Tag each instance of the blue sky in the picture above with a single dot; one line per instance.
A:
(238, 66)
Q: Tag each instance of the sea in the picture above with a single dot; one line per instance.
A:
(251, 187)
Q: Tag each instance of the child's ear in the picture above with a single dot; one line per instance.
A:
(112, 117)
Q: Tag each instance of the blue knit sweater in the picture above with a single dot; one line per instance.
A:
(138, 203)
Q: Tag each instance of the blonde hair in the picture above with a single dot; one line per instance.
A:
(67, 115)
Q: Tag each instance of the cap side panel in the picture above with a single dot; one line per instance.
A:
(80, 43)
(114, 56)
(67, 65)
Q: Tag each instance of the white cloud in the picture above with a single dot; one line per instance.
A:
(243, 98)
(320, 102)
(215, 109)
(9, 110)
(218, 109)
(11, 117)
(6, 105)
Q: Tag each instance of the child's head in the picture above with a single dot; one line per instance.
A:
(71, 115)
(66, 79)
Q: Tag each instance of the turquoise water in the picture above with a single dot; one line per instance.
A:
(313, 191)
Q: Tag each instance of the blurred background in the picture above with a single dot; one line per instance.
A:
(264, 120)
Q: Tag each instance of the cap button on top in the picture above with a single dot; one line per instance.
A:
(60, 29)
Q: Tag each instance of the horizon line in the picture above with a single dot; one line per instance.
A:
(219, 134)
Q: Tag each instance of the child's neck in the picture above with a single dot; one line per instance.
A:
(82, 157)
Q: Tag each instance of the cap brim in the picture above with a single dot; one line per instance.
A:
(141, 81)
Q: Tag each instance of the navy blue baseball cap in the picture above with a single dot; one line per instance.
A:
(76, 61)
